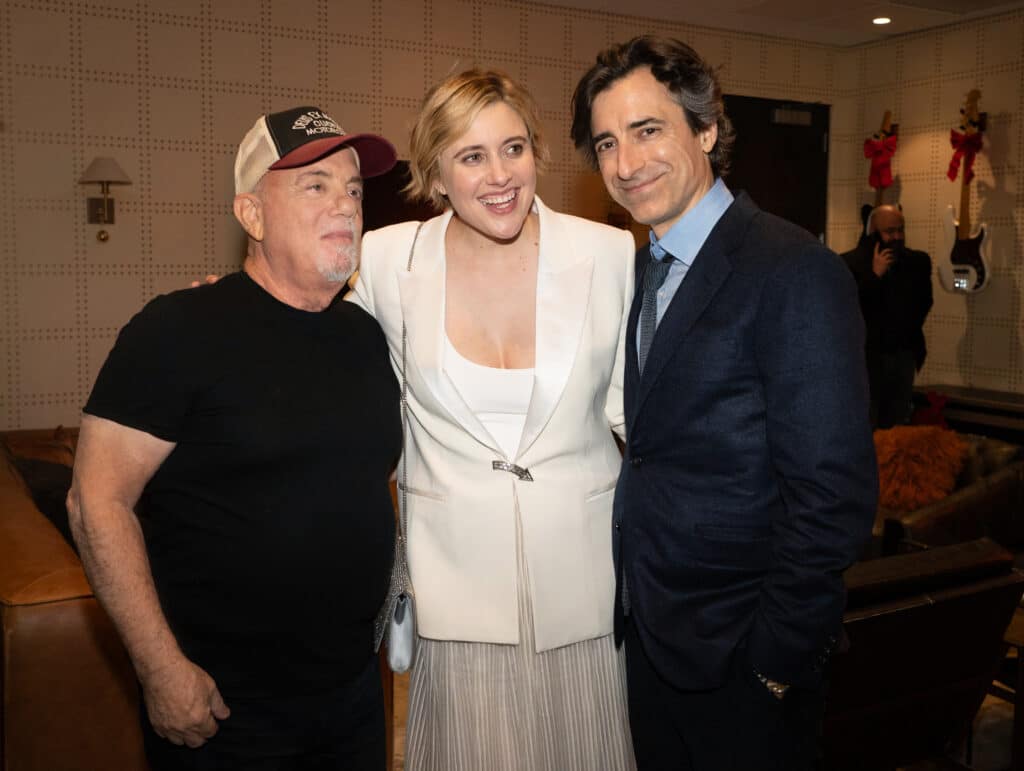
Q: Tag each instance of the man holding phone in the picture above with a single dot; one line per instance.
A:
(895, 287)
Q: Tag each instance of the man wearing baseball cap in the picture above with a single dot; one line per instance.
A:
(230, 496)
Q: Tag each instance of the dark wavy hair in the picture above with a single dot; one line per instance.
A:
(691, 81)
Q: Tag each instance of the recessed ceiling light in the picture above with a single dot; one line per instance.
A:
(881, 20)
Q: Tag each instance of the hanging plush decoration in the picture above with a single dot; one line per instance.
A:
(880, 148)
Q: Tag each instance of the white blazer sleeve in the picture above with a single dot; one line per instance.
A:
(361, 293)
(613, 408)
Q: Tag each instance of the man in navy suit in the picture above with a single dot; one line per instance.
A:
(748, 482)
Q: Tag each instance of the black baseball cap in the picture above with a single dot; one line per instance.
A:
(300, 136)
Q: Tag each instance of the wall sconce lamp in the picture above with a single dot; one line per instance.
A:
(105, 172)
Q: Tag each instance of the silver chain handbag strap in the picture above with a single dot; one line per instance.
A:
(403, 509)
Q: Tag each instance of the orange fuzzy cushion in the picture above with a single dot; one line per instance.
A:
(917, 465)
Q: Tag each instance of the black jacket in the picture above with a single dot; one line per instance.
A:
(749, 481)
(895, 305)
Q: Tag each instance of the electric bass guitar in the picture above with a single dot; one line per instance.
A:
(968, 268)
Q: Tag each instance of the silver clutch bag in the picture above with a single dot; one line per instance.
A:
(395, 624)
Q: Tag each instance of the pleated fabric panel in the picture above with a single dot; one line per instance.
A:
(487, 707)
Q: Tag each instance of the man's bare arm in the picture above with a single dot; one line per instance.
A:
(113, 463)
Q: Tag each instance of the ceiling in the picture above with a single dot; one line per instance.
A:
(833, 22)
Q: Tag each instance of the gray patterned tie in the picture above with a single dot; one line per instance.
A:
(653, 279)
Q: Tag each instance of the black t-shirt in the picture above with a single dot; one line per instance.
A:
(269, 527)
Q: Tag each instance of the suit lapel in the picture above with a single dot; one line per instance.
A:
(563, 294)
(422, 292)
(710, 269)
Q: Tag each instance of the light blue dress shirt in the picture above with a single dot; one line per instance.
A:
(684, 240)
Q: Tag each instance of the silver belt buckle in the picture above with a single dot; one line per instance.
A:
(512, 468)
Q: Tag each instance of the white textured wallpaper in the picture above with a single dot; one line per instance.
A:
(169, 88)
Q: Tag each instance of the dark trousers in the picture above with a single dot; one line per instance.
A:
(891, 379)
(337, 730)
(739, 726)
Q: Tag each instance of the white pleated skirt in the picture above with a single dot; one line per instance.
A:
(488, 707)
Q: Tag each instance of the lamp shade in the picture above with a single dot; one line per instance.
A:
(104, 169)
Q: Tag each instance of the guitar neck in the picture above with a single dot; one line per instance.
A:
(963, 228)
(878, 197)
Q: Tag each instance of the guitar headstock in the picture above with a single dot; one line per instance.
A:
(973, 122)
(888, 128)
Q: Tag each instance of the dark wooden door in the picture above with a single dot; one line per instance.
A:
(781, 157)
(384, 203)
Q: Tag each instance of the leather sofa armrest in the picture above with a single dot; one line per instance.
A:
(36, 563)
(70, 700)
(988, 507)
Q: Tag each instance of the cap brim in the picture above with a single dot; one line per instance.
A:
(376, 154)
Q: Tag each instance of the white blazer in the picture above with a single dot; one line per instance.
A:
(461, 512)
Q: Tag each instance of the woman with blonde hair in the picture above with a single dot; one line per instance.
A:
(513, 318)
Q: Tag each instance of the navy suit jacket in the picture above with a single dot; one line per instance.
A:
(749, 480)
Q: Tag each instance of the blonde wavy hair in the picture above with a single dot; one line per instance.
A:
(449, 110)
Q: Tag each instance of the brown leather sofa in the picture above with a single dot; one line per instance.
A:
(70, 699)
(925, 634)
(69, 695)
(987, 502)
